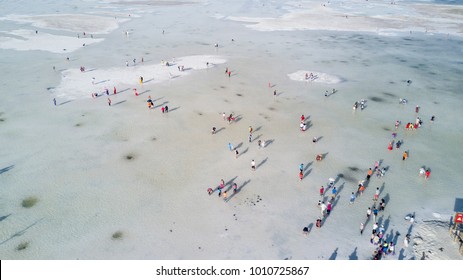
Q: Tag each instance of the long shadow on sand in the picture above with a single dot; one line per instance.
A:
(5, 169)
(334, 255)
(120, 102)
(21, 232)
(261, 163)
(353, 256)
(238, 189)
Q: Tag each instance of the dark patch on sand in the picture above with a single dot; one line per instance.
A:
(271, 108)
(239, 94)
(223, 87)
(376, 99)
(386, 128)
(78, 124)
(2, 119)
(22, 246)
(349, 178)
(199, 113)
(130, 157)
(353, 168)
(226, 101)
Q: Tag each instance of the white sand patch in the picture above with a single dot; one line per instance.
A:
(76, 84)
(91, 24)
(388, 19)
(316, 77)
(27, 40)
(432, 241)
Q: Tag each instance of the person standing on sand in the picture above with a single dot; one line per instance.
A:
(222, 184)
(225, 195)
(376, 196)
(236, 153)
(405, 155)
(334, 191)
(368, 213)
(250, 137)
(323, 209)
(305, 231)
(318, 223)
(235, 188)
(275, 93)
(427, 174)
(253, 165)
(369, 173)
(322, 191)
(224, 117)
(114, 90)
(301, 176)
(362, 226)
(375, 213)
(328, 208)
(54, 101)
(141, 80)
(109, 101)
(230, 146)
(352, 198)
(301, 167)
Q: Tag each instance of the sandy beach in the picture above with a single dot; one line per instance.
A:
(82, 179)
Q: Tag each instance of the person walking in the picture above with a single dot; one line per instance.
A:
(54, 101)
(109, 101)
(253, 165)
(230, 146)
(322, 191)
(362, 226)
(368, 213)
